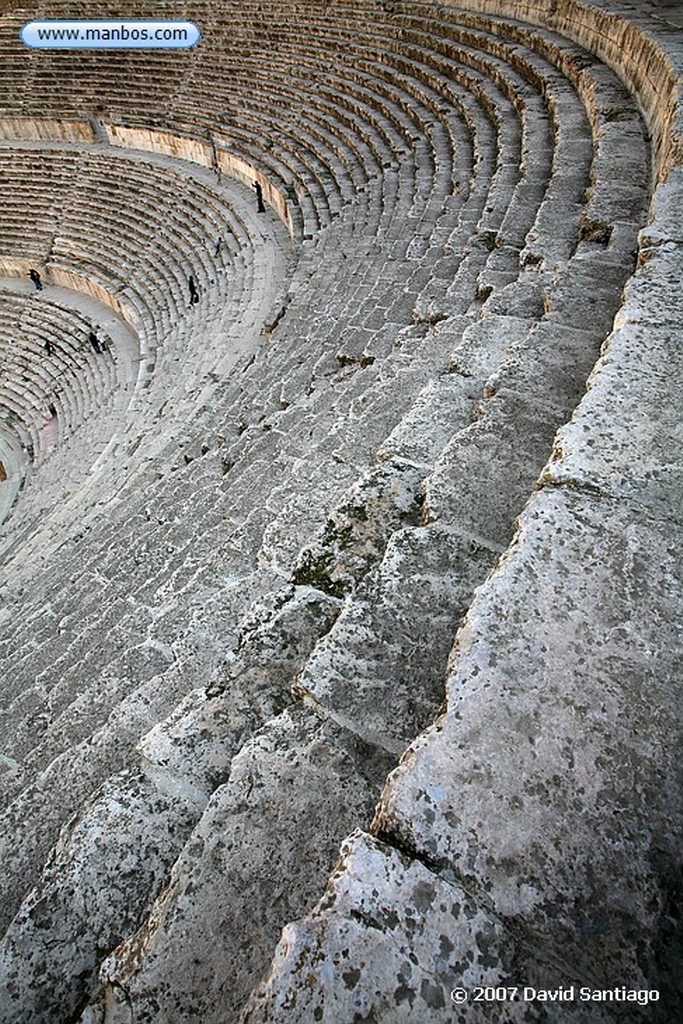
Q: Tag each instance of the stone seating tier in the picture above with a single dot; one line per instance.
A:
(416, 331)
(142, 256)
(73, 379)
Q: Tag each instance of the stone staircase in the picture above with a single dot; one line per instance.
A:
(224, 633)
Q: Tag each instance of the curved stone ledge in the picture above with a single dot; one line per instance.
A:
(46, 129)
(205, 153)
(526, 838)
(622, 35)
(544, 798)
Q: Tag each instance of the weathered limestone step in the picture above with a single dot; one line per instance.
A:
(442, 407)
(292, 793)
(183, 760)
(485, 474)
(549, 363)
(389, 941)
(30, 824)
(369, 673)
(382, 500)
(588, 712)
(589, 719)
(629, 402)
(85, 905)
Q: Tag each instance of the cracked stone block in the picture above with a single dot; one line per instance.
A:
(666, 224)
(550, 365)
(266, 843)
(388, 942)
(443, 407)
(626, 436)
(653, 295)
(586, 292)
(484, 476)
(370, 671)
(523, 298)
(484, 344)
(383, 499)
(550, 783)
(109, 863)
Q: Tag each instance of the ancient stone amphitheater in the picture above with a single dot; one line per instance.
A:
(339, 607)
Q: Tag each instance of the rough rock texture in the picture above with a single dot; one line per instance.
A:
(245, 867)
(389, 940)
(548, 793)
(356, 491)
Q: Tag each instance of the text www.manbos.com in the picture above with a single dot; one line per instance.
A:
(110, 35)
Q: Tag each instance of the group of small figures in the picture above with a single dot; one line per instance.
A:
(99, 345)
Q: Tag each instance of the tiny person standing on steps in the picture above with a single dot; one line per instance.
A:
(94, 341)
(194, 294)
(49, 347)
(35, 277)
(259, 198)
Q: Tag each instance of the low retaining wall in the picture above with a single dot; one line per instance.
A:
(32, 129)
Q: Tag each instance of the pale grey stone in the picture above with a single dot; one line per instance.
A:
(444, 406)
(266, 841)
(484, 476)
(372, 672)
(626, 436)
(384, 498)
(388, 942)
(549, 365)
(548, 785)
(93, 891)
(484, 344)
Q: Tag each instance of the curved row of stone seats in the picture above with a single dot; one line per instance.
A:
(16, 182)
(405, 106)
(598, 497)
(80, 712)
(141, 255)
(366, 896)
(230, 267)
(137, 985)
(243, 18)
(160, 242)
(349, 123)
(409, 116)
(351, 58)
(409, 108)
(57, 390)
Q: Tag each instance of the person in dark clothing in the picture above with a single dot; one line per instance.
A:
(218, 246)
(49, 347)
(95, 342)
(194, 294)
(35, 277)
(259, 198)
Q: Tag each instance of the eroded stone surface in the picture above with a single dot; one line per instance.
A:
(626, 436)
(266, 838)
(486, 472)
(91, 894)
(548, 784)
(380, 669)
(388, 941)
(549, 772)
